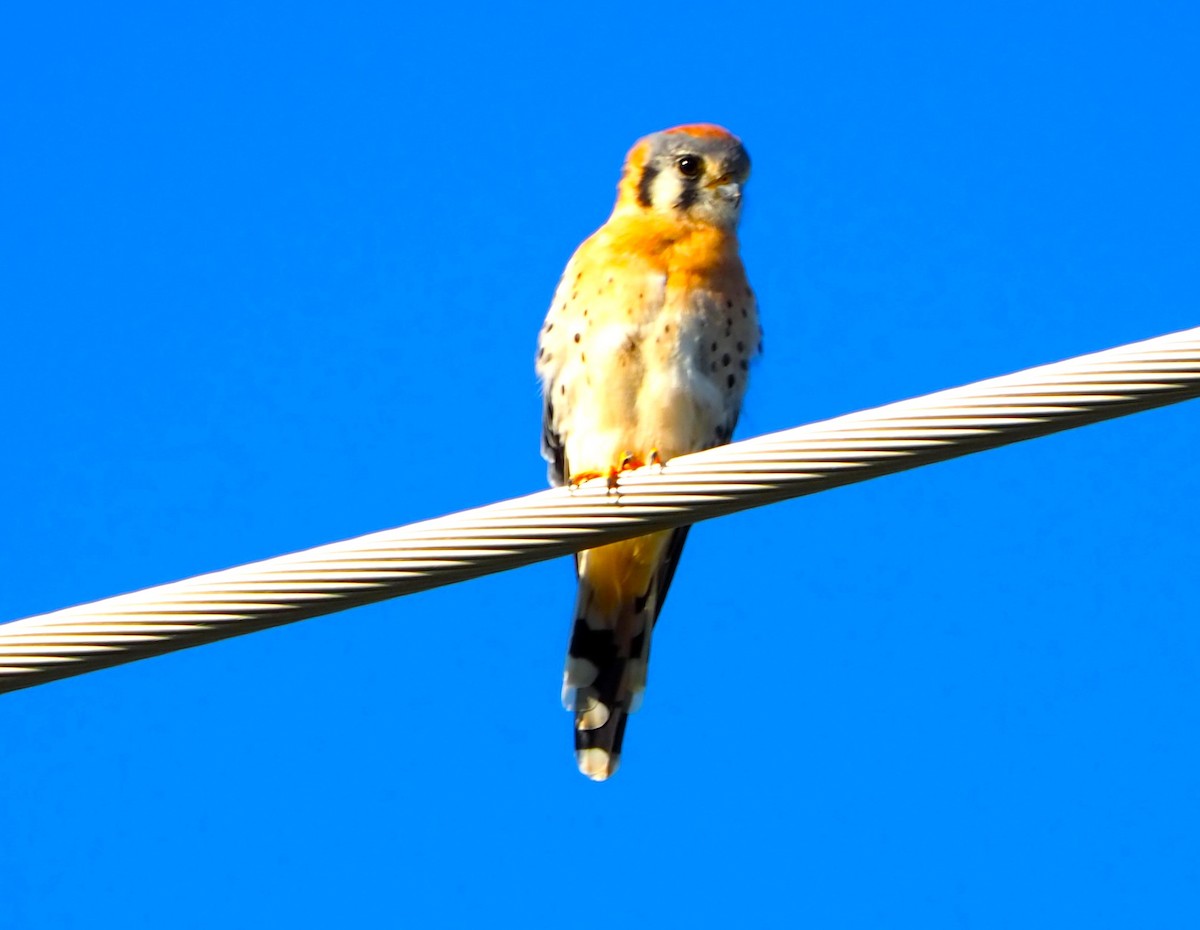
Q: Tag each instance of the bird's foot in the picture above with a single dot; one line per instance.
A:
(581, 476)
(629, 462)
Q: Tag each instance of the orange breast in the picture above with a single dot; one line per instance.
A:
(688, 254)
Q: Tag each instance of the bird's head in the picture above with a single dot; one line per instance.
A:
(693, 173)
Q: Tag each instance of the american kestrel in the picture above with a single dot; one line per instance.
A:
(643, 356)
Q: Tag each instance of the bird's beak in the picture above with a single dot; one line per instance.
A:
(729, 190)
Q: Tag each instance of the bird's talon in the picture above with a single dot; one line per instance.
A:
(630, 462)
(580, 477)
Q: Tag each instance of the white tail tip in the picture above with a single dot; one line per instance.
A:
(596, 763)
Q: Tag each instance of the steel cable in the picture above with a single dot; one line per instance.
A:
(540, 526)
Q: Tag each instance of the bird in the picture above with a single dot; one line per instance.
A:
(644, 355)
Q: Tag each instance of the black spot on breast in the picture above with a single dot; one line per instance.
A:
(744, 313)
(731, 380)
(741, 347)
(725, 360)
(729, 305)
(577, 337)
(549, 326)
(562, 389)
(714, 347)
(742, 365)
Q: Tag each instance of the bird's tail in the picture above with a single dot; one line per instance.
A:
(604, 679)
(621, 588)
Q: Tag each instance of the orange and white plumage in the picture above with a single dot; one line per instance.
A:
(645, 352)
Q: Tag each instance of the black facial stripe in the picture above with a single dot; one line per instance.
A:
(646, 185)
(689, 194)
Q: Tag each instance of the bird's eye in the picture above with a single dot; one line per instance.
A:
(690, 166)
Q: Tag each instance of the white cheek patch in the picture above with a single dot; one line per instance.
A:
(666, 188)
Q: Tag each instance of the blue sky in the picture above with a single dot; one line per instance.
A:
(272, 276)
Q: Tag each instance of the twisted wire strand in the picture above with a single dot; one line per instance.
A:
(541, 526)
